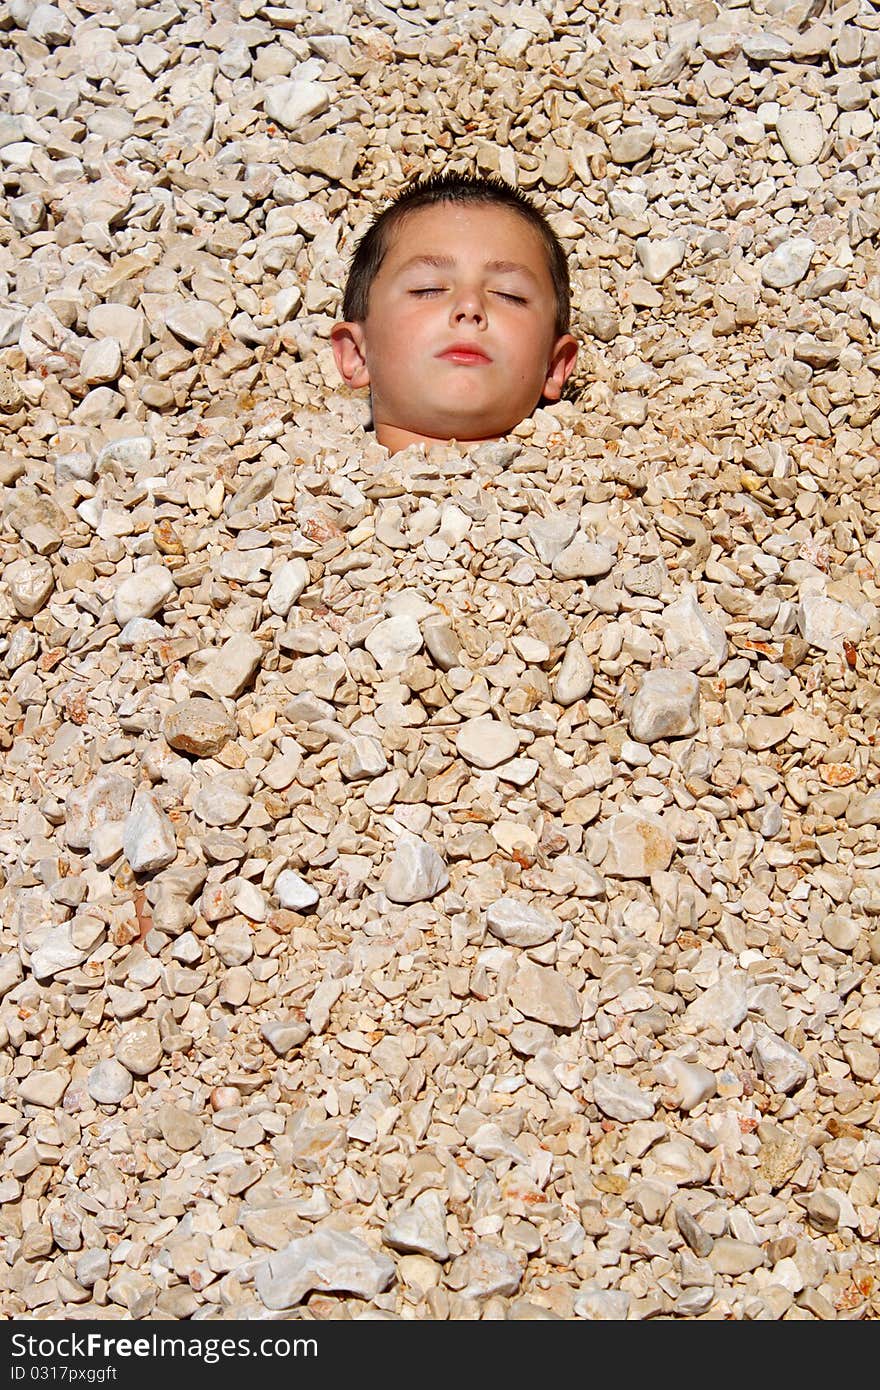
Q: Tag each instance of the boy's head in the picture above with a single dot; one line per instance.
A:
(456, 313)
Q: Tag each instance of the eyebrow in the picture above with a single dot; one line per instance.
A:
(448, 262)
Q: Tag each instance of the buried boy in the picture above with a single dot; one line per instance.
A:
(457, 311)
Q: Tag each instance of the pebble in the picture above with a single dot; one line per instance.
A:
(326, 1260)
(574, 679)
(148, 835)
(294, 893)
(143, 594)
(288, 584)
(781, 1065)
(735, 1257)
(666, 705)
(199, 726)
(693, 1084)
(826, 623)
(486, 1270)
(638, 845)
(31, 582)
(393, 642)
(362, 759)
(767, 730)
(659, 258)
(109, 1082)
(44, 1087)
(416, 873)
(583, 559)
(420, 1228)
(290, 104)
(621, 1099)
(723, 1004)
(56, 952)
(194, 321)
(801, 135)
(229, 669)
(542, 993)
(602, 1305)
(486, 742)
(139, 1048)
(689, 629)
(788, 264)
(518, 923)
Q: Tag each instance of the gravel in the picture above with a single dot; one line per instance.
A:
(441, 886)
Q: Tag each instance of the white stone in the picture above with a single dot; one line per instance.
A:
(284, 1035)
(583, 559)
(291, 104)
(219, 804)
(542, 993)
(44, 1087)
(659, 258)
(639, 844)
(666, 705)
(139, 1048)
(56, 952)
(692, 1082)
(621, 1099)
(229, 669)
(486, 742)
(120, 323)
(109, 1082)
(801, 134)
(393, 641)
(843, 933)
(48, 24)
(723, 1005)
(550, 534)
(602, 1305)
(521, 924)
(31, 583)
(687, 627)
(766, 47)
(287, 585)
(101, 362)
(420, 1228)
(780, 1064)
(864, 810)
(328, 1260)
(148, 838)
(574, 679)
(416, 872)
(27, 213)
(142, 594)
(107, 797)
(293, 892)
(361, 759)
(194, 321)
(788, 264)
(250, 901)
(825, 622)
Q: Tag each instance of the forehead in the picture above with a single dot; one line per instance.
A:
(469, 231)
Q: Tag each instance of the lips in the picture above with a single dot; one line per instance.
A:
(465, 355)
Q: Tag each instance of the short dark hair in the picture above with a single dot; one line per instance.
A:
(373, 246)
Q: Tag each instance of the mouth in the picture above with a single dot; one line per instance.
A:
(465, 355)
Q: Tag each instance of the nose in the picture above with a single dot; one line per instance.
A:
(469, 307)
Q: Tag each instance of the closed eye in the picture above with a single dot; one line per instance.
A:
(428, 290)
(513, 298)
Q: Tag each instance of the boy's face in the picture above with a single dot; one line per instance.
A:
(459, 340)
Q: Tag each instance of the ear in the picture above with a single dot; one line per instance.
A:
(562, 360)
(349, 349)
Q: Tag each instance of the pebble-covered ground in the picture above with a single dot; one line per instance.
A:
(439, 886)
